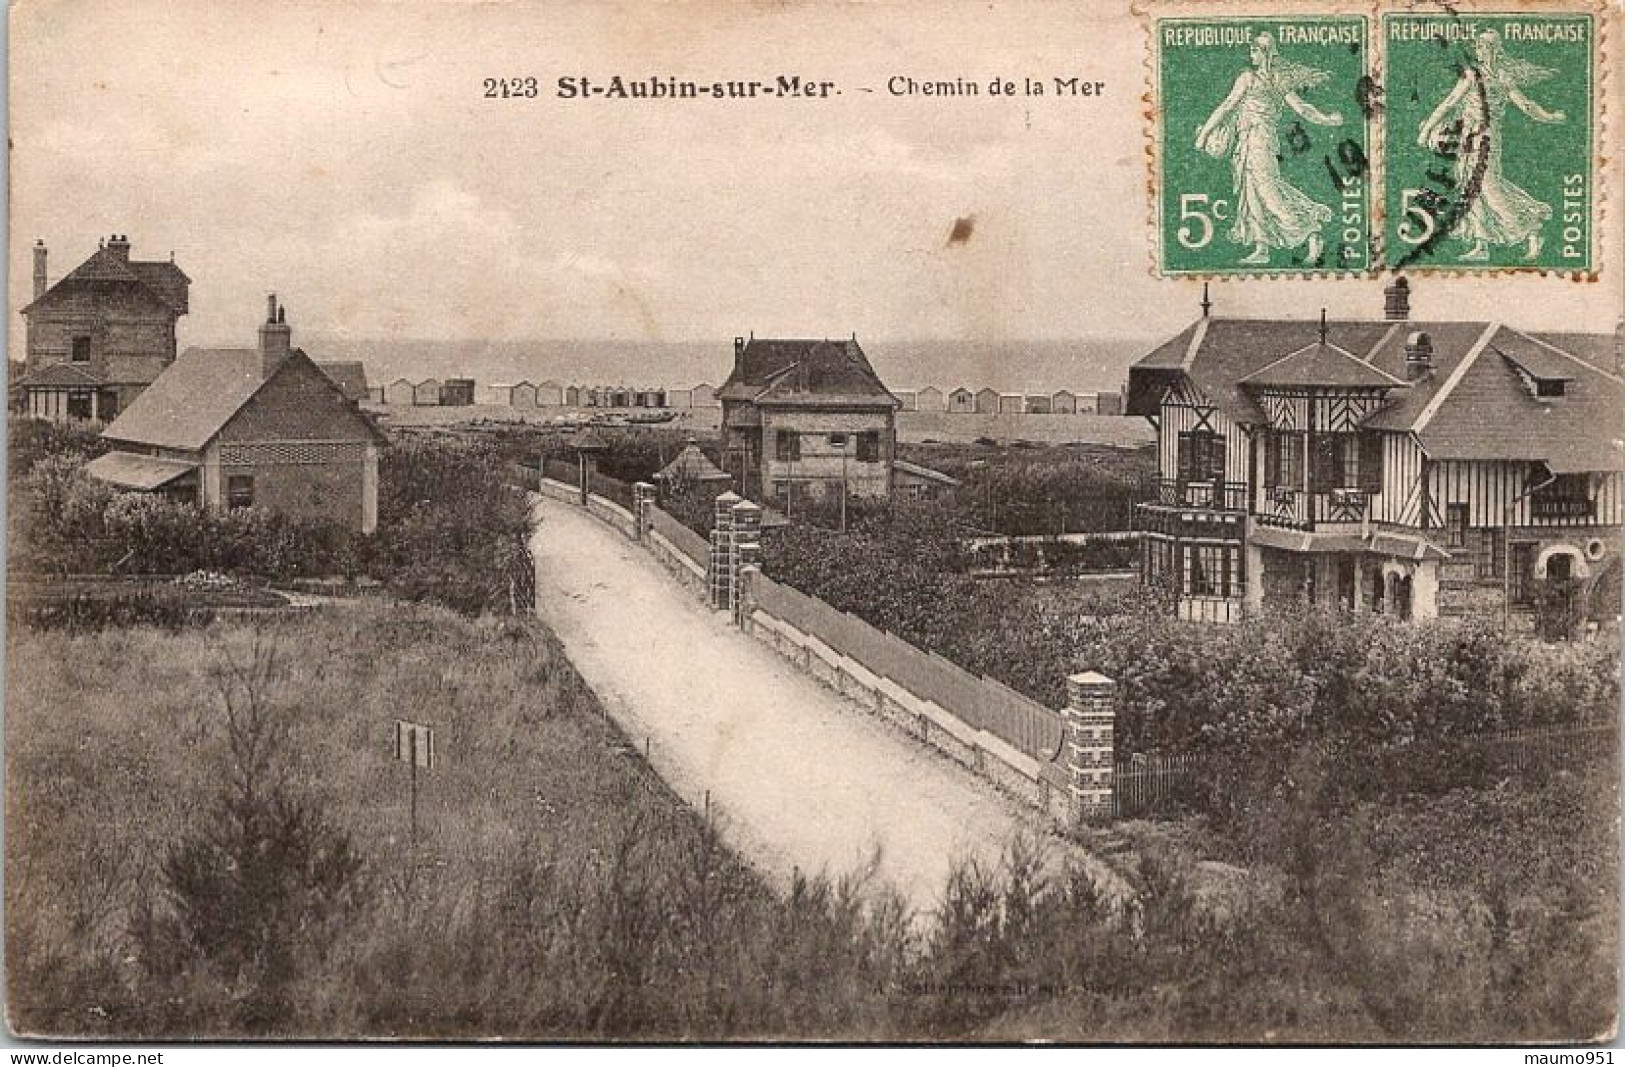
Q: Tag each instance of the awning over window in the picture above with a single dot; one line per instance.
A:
(130, 471)
(1379, 542)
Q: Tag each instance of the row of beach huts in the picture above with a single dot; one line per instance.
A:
(463, 392)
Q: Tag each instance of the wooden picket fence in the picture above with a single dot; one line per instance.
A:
(1151, 785)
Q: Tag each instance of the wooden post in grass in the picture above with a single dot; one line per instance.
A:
(414, 746)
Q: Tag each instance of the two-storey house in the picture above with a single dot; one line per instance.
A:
(1406, 467)
(810, 414)
(101, 334)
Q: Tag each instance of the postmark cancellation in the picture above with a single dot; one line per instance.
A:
(1350, 141)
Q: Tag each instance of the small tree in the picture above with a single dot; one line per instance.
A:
(252, 892)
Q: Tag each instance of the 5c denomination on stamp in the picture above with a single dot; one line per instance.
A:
(1488, 141)
(1263, 146)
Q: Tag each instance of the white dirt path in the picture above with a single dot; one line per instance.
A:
(798, 776)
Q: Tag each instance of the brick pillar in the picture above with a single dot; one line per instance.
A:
(745, 588)
(747, 530)
(643, 502)
(747, 555)
(720, 567)
(1091, 710)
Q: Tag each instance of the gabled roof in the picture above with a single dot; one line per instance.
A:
(1601, 350)
(1322, 364)
(60, 375)
(1472, 405)
(1217, 353)
(1488, 414)
(782, 371)
(692, 465)
(107, 270)
(194, 398)
(349, 375)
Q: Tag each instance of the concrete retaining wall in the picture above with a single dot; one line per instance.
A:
(1011, 770)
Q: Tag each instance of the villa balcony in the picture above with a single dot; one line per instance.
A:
(1183, 509)
(1294, 508)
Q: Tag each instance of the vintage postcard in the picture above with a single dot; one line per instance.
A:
(893, 522)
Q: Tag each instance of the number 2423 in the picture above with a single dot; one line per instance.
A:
(510, 88)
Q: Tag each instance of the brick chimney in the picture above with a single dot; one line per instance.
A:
(39, 269)
(119, 245)
(276, 337)
(1396, 303)
(739, 353)
(1418, 356)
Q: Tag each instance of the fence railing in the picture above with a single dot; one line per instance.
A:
(561, 470)
(980, 702)
(685, 540)
(1148, 785)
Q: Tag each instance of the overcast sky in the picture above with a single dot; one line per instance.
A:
(343, 156)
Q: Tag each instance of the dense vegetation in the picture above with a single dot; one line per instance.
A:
(1027, 489)
(241, 865)
(449, 527)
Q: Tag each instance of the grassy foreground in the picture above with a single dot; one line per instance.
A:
(207, 835)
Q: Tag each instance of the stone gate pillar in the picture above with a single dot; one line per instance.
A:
(719, 572)
(643, 502)
(746, 558)
(747, 530)
(1091, 713)
(745, 589)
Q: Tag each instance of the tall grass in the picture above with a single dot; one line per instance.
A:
(559, 890)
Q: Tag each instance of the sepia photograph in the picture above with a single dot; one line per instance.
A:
(814, 522)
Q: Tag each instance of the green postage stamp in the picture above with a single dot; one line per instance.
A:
(1488, 141)
(1263, 146)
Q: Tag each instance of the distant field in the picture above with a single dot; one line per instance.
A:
(912, 426)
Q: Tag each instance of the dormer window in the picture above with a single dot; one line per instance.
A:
(81, 350)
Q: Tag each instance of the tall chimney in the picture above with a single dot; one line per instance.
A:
(1396, 304)
(119, 245)
(739, 353)
(276, 337)
(1418, 356)
(39, 269)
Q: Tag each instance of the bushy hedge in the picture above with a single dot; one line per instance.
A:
(1283, 679)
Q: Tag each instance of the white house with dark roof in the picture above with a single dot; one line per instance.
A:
(1414, 468)
(250, 427)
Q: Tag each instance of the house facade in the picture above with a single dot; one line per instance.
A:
(257, 427)
(1412, 468)
(100, 335)
(810, 414)
(961, 401)
(929, 399)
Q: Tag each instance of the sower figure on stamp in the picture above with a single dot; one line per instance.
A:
(1270, 211)
(1470, 123)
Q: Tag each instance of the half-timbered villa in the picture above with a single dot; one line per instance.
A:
(1413, 468)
